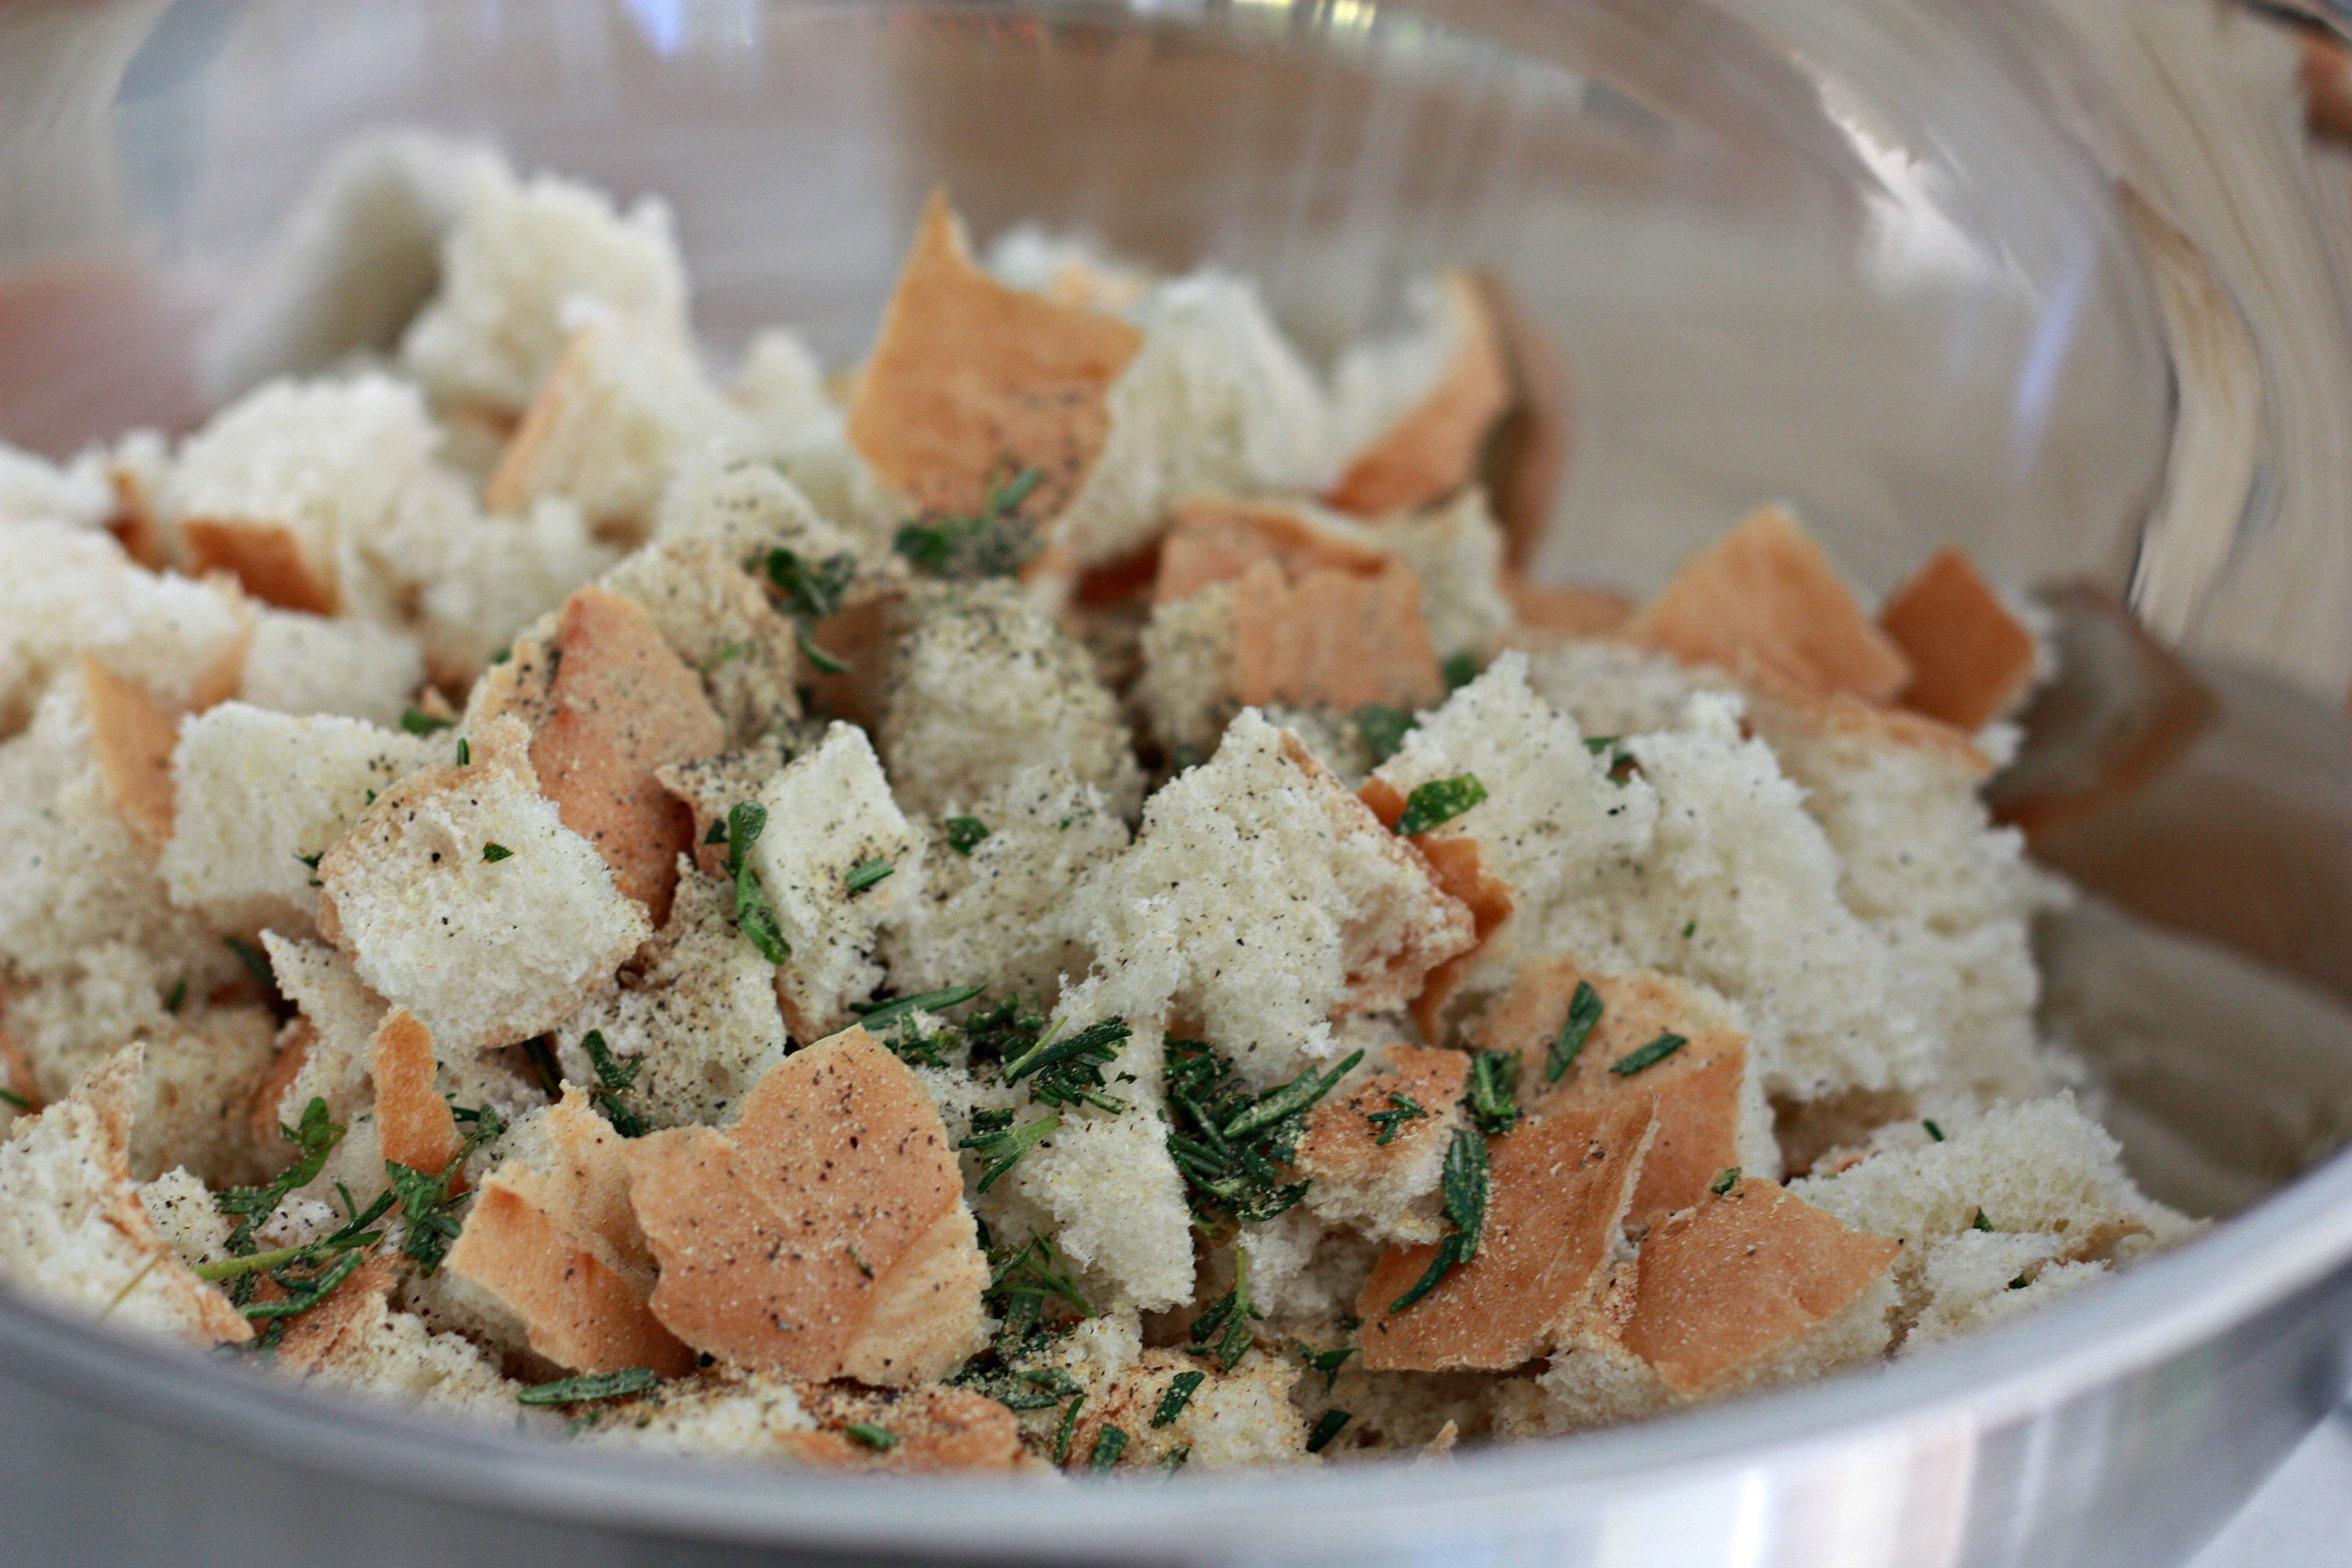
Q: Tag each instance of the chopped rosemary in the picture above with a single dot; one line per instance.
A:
(754, 915)
(872, 1014)
(1583, 1012)
(1326, 1362)
(1032, 1273)
(1439, 801)
(256, 961)
(427, 1202)
(1109, 1444)
(2020, 1282)
(1649, 1055)
(1222, 1333)
(1000, 1144)
(826, 664)
(1690, 929)
(538, 1054)
(965, 834)
(1382, 729)
(417, 721)
(813, 588)
(1465, 1188)
(1980, 1222)
(1402, 1108)
(11, 1098)
(1230, 1144)
(881, 1439)
(1178, 1395)
(614, 1077)
(494, 853)
(1490, 1100)
(465, 751)
(313, 1137)
(1069, 1425)
(1459, 670)
(729, 652)
(865, 874)
(593, 1386)
(1327, 1426)
(995, 542)
(1725, 1180)
(1934, 1132)
(1176, 1458)
(173, 1003)
(1070, 1070)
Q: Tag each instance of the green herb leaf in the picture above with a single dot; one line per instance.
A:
(1934, 1131)
(465, 751)
(629, 1380)
(965, 834)
(1176, 1458)
(1439, 801)
(2020, 1282)
(256, 961)
(1490, 1099)
(1290, 1100)
(615, 1076)
(1583, 1012)
(1465, 1187)
(1980, 1222)
(1109, 1444)
(1034, 1272)
(1230, 1143)
(1459, 670)
(313, 1137)
(417, 721)
(173, 1003)
(729, 652)
(813, 589)
(1326, 1362)
(302, 1295)
(1069, 1425)
(1000, 1144)
(1178, 1395)
(1690, 929)
(1382, 729)
(875, 1014)
(1069, 1069)
(1327, 1426)
(755, 918)
(1223, 1332)
(865, 874)
(1402, 1108)
(994, 543)
(494, 853)
(1725, 1180)
(10, 1097)
(538, 1054)
(1649, 1055)
(881, 1439)
(826, 663)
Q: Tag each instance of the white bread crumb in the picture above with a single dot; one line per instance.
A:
(35, 490)
(301, 665)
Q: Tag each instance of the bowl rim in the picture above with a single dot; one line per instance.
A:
(2162, 1307)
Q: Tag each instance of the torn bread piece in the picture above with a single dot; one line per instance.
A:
(1259, 606)
(824, 1234)
(463, 871)
(737, 1415)
(550, 1238)
(72, 1227)
(35, 490)
(1545, 612)
(1755, 1287)
(715, 617)
(1712, 1116)
(261, 797)
(1765, 594)
(304, 664)
(1456, 551)
(471, 581)
(971, 383)
(1243, 1416)
(413, 1125)
(984, 682)
(1972, 659)
(1414, 411)
(1459, 867)
(284, 487)
(694, 1020)
(1558, 1188)
(1265, 899)
(609, 705)
(1373, 1174)
(830, 814)
(357, 1340)
(132, 737)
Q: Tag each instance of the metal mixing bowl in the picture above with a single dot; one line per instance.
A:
(1914, 266)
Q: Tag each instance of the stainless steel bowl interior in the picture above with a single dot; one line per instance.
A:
(1860, 257)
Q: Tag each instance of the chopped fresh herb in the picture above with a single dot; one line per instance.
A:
(417, 721)
(754, 915)
(618, 1385)
(995, 542)
(1040, 1388)
(865, 874)
(1465, 1188)
(813, 588)
(872, 1014)
(1000, 1033)
(1725, 1180)
(1583, 1012)
(1001, 1144)
(1222, 1334)
(1176, 1458)
(1070, 1070)
(965, 834)
(727, 653)
(1326, 1362)
(538, 1054)
(1439, 801)
(1032, 1273)
(1934, 1131)
(1069, 1425)
(304, 1292)
(1459, 670)
(1178, 1395)
(614, 1077)
(1401, 1108)
(173, 1003)
(2020, 1282)
(10, 1097)
(255, 960)
(1327, 1426)
(465, 751)
(1622, 766)
(863, 1267)
(1980, 1222)
(1489, 1099)
(1382, 729)
(1649, 1055)
(502, 655)
(1109, 1444)
(881, 1439)
(429, 1207)
(717, 831)
(826, 664)
(1597, 743)
(494, 853)
(1230, 1144)
(313, 1139)
(1690, 929)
